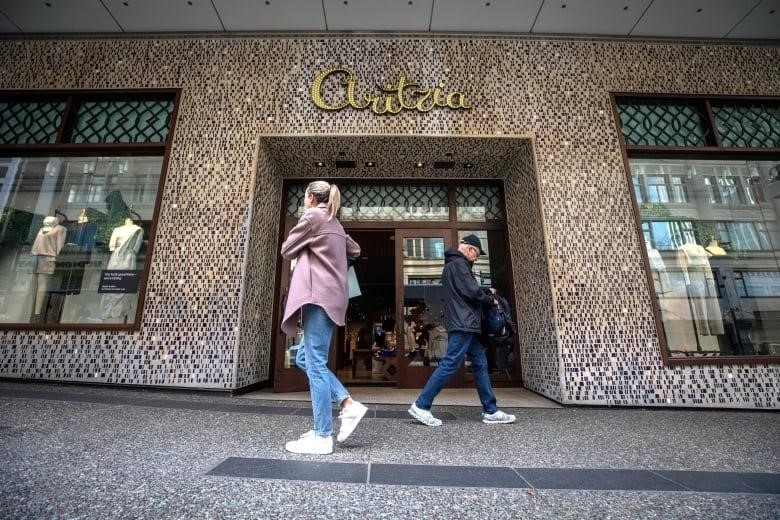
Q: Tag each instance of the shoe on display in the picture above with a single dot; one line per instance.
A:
(350, 417)
(498, 417)
(424, 416)
(311, 444)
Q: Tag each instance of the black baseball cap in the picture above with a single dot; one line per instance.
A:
(473, 240)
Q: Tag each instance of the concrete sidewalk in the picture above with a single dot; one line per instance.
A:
(71, 451)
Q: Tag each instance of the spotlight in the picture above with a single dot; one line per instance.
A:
(468, 165)
(370, 164)
(319, 164)
(419, 164)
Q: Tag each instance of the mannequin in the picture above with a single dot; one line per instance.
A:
(48, 243)
(700, 285)
(124, 245)
(714, 248)
(410, 339)
(660, 276)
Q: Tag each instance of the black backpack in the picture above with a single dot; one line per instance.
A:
(497, 327)
(498, 335)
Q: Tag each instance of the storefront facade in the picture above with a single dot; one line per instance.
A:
(253, 115)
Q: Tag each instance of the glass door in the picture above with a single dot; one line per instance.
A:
(420, 336)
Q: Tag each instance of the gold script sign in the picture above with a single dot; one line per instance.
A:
(392, 98)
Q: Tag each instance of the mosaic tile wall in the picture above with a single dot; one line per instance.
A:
(537, 344)
(237, 89)
(253, 360)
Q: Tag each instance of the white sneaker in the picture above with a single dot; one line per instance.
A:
(311, 444)
(498, 417)
(424, 416)
(350, 417)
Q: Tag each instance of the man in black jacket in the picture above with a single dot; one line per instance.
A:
(463, 299)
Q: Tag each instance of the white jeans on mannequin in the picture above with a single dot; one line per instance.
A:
(43, 282)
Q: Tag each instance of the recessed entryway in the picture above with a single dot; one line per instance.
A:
(407, 199)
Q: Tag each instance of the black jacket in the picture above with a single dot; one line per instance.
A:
(463, 297)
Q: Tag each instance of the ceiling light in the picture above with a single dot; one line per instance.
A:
(319, 164)
(419, 164)
(468, 165)
(370, 164)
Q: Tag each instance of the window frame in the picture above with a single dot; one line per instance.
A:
(710, 152)
(62, 148)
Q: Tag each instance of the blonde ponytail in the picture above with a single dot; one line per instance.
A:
(325, 193)
(334, 202)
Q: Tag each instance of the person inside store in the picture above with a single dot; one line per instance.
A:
(318, 292)
(48, 243)
(462, 300)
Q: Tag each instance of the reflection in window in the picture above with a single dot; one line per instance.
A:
(73, 235)
(479, 203)
(744, 236)
(423, 248)
(758, 283)
(711, 240)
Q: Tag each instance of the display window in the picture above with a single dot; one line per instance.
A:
(713, 263)
(78, 205)
(74, 235)
(702, 172)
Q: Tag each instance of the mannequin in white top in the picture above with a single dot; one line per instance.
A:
(714, 248)
(697, 273)
(410, 339)
(660, 276)
(124, 245)
(48, 243)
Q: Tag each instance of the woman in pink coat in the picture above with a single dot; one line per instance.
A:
(319, 291)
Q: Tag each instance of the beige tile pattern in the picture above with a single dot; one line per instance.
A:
(589, 337)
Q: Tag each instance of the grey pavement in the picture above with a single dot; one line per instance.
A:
(77, 451)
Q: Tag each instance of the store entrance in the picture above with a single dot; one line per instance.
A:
(393, 333)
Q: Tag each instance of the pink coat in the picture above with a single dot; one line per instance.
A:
(320, 276)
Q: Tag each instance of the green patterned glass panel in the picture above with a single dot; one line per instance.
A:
(34, 122)
(382, 202)
(662, 123)
(145, 121)
(479, 203)
(748, 125)
(295, 199)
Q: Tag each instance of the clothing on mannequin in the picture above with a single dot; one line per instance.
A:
(693, 260)
(714, 248)
(660, 276)
(410, 339)
(47, 245)
(124, 245)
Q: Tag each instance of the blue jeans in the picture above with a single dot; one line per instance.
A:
(459, 345)
(337, 391)
(323, 385)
